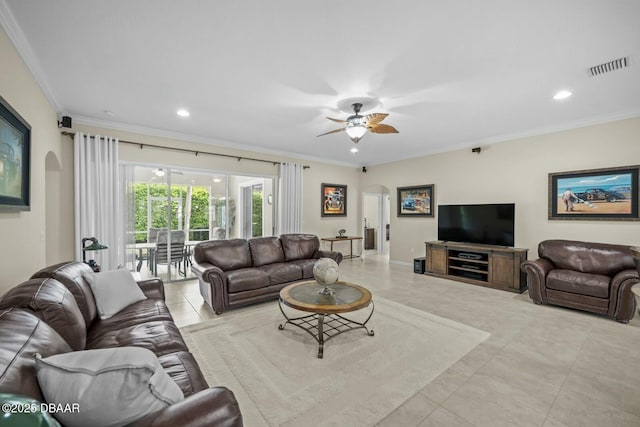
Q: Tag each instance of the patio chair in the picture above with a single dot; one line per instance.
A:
(163, 254)
(147, 255)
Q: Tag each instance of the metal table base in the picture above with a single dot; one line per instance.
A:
(323, 327)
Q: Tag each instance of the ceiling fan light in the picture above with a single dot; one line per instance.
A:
(356, 132)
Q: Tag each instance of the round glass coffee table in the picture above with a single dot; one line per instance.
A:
(325, 322)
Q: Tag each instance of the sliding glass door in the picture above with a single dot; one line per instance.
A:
(171, 210)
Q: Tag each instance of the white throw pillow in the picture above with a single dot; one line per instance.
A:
(110, 387)
(113, 290)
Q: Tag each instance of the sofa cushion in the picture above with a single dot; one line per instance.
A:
(266, 250)
(70, 274)
(184, 371)
(575, 282)
(113, 290)
(307, 267)
(587, 257)
(282, 272)
(161, 337)
(22, 335)
(225, 254)
(52, 302)
(246, 279)
(299, 246)
(113, 386)
(138, 313)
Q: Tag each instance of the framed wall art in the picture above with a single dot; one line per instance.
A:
(415, 201)
(15, 159)
(605, 194)
(333, 200)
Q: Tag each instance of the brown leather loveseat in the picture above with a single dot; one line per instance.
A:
(238, 272)
(55, 312)
(595, 277)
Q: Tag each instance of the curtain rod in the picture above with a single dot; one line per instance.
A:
(186, 150)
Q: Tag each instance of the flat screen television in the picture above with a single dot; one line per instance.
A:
(485, 224)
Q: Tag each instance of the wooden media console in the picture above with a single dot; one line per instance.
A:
(491, 266)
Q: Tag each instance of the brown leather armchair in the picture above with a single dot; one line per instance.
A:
(635, 252)
(595, 277)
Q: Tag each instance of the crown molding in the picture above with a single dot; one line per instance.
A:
(572, 125)
(22, 46)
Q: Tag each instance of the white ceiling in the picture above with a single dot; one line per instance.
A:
(264, 75)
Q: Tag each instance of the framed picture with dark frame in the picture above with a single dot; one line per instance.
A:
(15, 160)
(416, 201)
(333, 200)
(596, 194)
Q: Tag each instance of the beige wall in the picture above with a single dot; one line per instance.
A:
(26, 235)
(513, 172)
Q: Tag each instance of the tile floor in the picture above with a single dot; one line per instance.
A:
(542, 366)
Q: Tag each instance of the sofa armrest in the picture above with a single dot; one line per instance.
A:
(622, 302)
(215, 406)
(213, 286)
(536, 276)
(336, 256)
(152, 288)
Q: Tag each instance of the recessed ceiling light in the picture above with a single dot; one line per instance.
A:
(217, 180)
(183, 113)
(563, 94)
(354, 150)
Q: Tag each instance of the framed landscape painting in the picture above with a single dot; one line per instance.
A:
(415, 201)
(334, 200)
(15, 143)
(606, 194)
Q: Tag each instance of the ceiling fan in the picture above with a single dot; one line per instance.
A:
(357, 125)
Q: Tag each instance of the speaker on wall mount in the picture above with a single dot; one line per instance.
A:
(65, 122)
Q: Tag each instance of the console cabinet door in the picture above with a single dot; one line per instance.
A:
(502, 269)
(436, 259)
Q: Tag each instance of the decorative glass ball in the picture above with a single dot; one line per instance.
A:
(325, 271)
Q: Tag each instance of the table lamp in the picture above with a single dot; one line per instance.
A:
(94, 246)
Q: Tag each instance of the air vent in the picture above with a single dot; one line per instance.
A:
(607, 67)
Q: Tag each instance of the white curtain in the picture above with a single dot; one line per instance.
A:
(128, 212)
(97, 200)
(290, 200)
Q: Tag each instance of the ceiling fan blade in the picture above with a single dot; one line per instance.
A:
(337, 120)
(375, 118)
(379, 128)
(333, 131)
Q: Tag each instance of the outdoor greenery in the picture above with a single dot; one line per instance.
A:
(158, 195)
(199, 223)
(256, 220)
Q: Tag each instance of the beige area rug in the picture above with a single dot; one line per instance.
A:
(279, 381)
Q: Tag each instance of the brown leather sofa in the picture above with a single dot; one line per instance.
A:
(55, 312)
(595, 277)
(238, 272)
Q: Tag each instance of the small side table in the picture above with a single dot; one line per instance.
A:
(331, 240)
